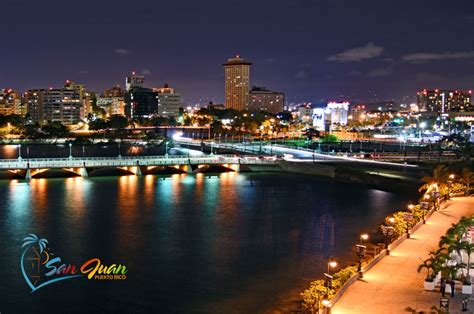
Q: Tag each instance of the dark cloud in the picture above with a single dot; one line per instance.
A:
(301, 74)
(380, 72)
(121, 51)
(366, 52)
(422, 57)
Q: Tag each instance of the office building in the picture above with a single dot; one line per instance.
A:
(111, 105)
(134, 81)
(140, 102)
(261, 99)
(169, 101)
(237, 83)
(305, 113)
(337, 113)
(444, 101)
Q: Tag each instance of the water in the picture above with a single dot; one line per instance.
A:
(233, 243)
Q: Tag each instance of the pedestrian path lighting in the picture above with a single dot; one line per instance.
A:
(326, 303)
(331, 264)
(435, 196)
(388, 232)
(450, 184)
(364, 237)
(361, 249)
(424, 207)
(70, 150)
(408, 217)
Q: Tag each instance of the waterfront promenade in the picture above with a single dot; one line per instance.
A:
(394, 284)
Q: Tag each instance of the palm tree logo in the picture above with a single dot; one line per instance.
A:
(37, 246)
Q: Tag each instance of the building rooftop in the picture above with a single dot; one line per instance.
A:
(237, 60)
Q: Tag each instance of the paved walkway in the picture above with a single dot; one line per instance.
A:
(394, 284)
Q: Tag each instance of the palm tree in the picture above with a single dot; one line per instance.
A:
(438, 179)
(469, 249)
(28, 243)
(428, 264)
(467, 177)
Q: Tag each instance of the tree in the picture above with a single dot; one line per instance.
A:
(437, 180)
(428, 265)
(467, 178)
(55, 129)
(118, 122)
(329, 138)
(469, 249)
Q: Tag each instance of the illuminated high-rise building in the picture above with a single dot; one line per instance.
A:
(65, 105)
(444, 101)
(237, 83)
(261, 99)
(169, 101)
(10, 102)
(134, 81)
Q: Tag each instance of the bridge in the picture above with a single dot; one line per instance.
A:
(137, 165)
(297, 154)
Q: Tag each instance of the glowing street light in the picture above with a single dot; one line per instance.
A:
(166, 149)
(364, 237)
(331, 264)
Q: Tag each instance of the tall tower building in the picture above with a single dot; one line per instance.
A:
(237, 83)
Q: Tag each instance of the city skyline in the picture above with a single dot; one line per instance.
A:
(312, 51)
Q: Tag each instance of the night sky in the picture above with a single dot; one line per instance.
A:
(312, 50)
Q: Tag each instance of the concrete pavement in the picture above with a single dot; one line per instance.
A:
(394, 284)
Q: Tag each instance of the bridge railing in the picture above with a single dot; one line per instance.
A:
(126, 161)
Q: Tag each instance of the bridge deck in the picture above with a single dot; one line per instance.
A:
(126, 161)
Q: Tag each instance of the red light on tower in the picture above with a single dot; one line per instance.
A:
(133, 72)
(436, 90)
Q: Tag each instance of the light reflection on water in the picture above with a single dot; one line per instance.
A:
(192, 243)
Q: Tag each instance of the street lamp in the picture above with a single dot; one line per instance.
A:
(166, 149)
(19, 151)
(331, 264)
(70, 150)
(388, 232)
(361, 249)
(364, 237)
(408, 217)
(212, 154)
(450, 184)
(119, 155)
(326, 304)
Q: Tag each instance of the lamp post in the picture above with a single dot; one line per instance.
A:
(408, 217)
(435, 195)
(331, 264)
(19, 151)
(425, 207)
(388, 232)
(70, 150)
(361, 249)
(450, 184)
(119, 155)
(212, 153)
(166, 149)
